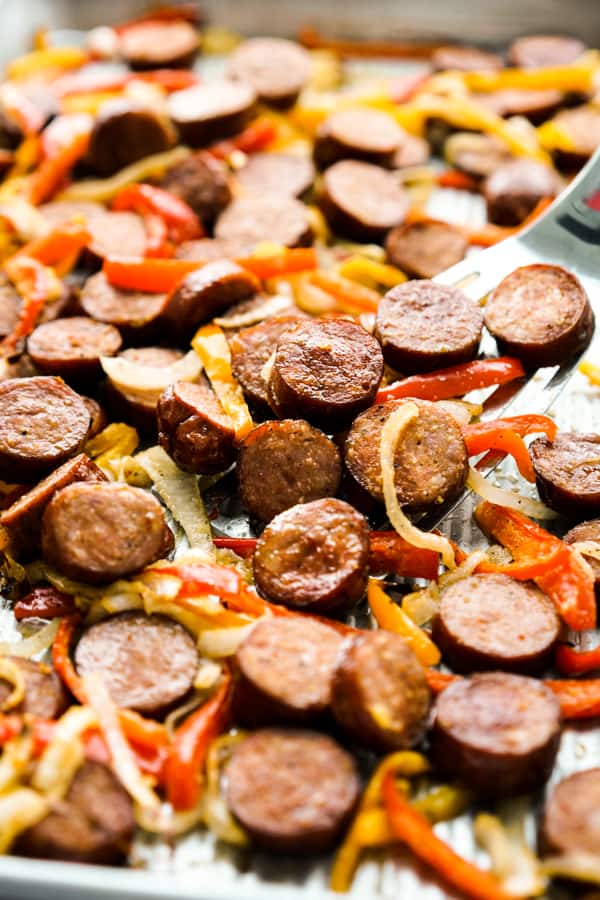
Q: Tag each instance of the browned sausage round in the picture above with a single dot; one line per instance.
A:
(362, 201)
(540, 314)
(325, 371)
(293, 791)
(314, 556)
(288, 173)
(284, 672)
(93, 824)
(284, 463)
(200, 181)
(136, 314)
(585, 531)
(538, 50)
(275, 68)
(497, 732)
(423, 249)
(23, 518)
(100, 532)
(360, 133)
(430, 462)
(125, 132)
(537, 105)
(582, 127)
(205, 293)
(72, 347)
(112, 233)
(209, 249)
(476, 154)
(254, 218)
(99, 419)
(140, 412)
(194, 429)
(515, 188)
(567, 472)
(465, 59)
(148, 663)
(42, 423)
(570, 818)
(156, 45)
(251, 349)
(413, 151)
(45, 697)
(210, 112)
(10, 306)
(494, 622)
(380, 695)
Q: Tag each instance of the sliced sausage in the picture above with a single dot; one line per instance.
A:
(205, 293)
(362, 201)
(430, 461)
(23, 518)
(97, 533)
(567, 472)
(42, 423)
(45, 696)
(99, 419)
(194, 429)
(10, 306)
(136, 314)
(540, 314)
(360, 133)
(465, 59)
(284, 672)
(314, 557)
(251, 349)
(275, 68)
(262, 308)
(582, 128)
(585, 531)
(513, 191)
(208, 249)
(538, 50)
(289, 173)
(293, 791)
(537, 105)
(148, 663)
(380, 695)
(72, 347)
(423, 249)
(112, 233)
(325, 371)
(210, 112)
(141, 412)
(125, 132)
(424, 326)
(93, 824)
(476, 154)
(413, 151)
(277, 218)
(200, 181)
(570, 819)
(494, 622)
(284, 463)
(160, 45)
(497, 732)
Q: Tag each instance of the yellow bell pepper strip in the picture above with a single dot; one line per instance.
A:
(591, 372)
(370, 273)
(37, 284)
(87, 104)
(26, 158)
(112, 443)
(51, 58)
(350, 297)
(578, 77)
(392, 617)
(211, 345)
(52, 172)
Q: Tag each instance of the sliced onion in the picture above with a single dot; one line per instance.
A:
(461, 410)
(163, 819)
(12, 673)
(123, 761)
(391, 432)
(466, 568)
(14, 762)
(207, 675)
(217, 643)
(20, 810)
(512, 862)
(588, 548)
(273, 305)
(175, 717)
(146, 383)
(38, 643)
(579, 866)
(64, 754)
(265, 372)
(422, 605)
(217, 815)
(535, 509)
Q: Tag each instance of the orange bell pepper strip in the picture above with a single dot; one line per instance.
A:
(506, 436)
(460, 181)
(190, 746)
(10, 726)
(439, 681)
(392, 617)
(37, 284)
(570, 661)
(444, 384)
(60, 244)
(579, 698)
(156, 276)
(53, 171)
(286, 262)
(566, 580)
(62, 131)
(350, 297)
(211, 345)
(414, 830)
(257, 136)
(179, 222)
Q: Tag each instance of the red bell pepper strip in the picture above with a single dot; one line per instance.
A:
(58, 245)
(45, 603)
(439, 681)
(52, 172)
(414, 830)
(36, 284)
(460, 181)
(179, 221)
(190, 746)
(257, 136)
(197, 578)
(579, 699)
(10, 727)
(570, 661)
(85, 82)
(286, 262)
(244, 547)
(506, 436)
(61, 658)
(454, 381)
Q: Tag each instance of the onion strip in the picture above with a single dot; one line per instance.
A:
(273, 305)
(535, 509)
(140, 382)
(588, 548)
(10, 672)
(39, 642)
(19, 810)
(64, 754)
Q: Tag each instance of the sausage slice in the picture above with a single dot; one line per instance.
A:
(288, 173)
(251, 348)
(538, 50)
(362, 201)
(585, 531)
(10, 306)
(148, 663)
(423, 249)
(42, 423)
(125, 132)
(536, 104)
(325, 371)
(200, 181)
(314, 557)
(254, 218)
(275, 68)
(140, 412)
(100, 532)
(465, 59)
(540, 314)
(360, 133)
(210, 112)
(430, 463)
(570, 819)
(293, 791)
(516, 187)
(72, 347)
(45, 696)
(135, 313)
(380, 695)
(284, 463)
(112, 233)
(499, 733)
(284, 672)
(494, 622)
(567, 472)
(160, 45)
(582, 127)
